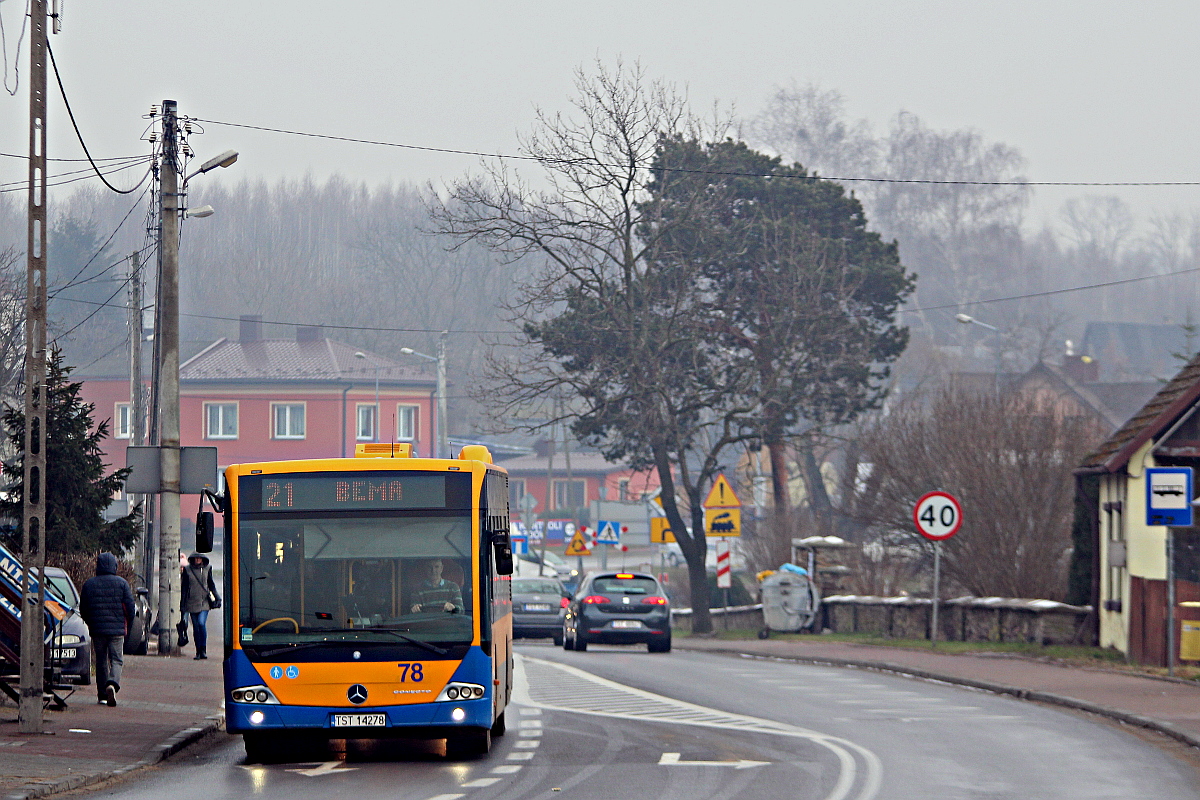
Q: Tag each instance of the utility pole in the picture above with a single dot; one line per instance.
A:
(167, 339)
(137, 394)
(442, 429)
(33, 552)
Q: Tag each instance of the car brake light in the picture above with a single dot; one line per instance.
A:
(624, 576)
(654, 601)
(563, 602)
(594, 599)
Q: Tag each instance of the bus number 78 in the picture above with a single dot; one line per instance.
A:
(413, 670)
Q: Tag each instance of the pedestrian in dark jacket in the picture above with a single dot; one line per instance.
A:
(198, 595)
(106, 605)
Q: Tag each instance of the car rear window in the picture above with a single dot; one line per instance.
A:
(535, 587)
(616, 585)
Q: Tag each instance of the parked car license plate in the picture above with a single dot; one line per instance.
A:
(65, 653)
(626, 623)
(359, 720)
(537, 606)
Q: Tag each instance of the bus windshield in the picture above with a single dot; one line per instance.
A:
(355, 578)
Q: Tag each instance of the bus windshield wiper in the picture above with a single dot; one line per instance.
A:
(433, 648)
(292, 648)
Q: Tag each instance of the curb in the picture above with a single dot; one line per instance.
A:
(159, 753)
(1033, 695)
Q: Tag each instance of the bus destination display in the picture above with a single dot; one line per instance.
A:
(299, 491)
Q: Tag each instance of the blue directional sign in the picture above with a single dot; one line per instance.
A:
(1169, 496)
(608, 532)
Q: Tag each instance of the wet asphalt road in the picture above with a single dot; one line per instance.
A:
(621, 723)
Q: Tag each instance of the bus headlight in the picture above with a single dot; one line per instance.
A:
(461, 691)
(257, 717)
(254, 694)
(458, 715)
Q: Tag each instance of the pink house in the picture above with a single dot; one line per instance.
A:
(257, 399)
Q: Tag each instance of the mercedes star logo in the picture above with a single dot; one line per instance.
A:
(357, 694)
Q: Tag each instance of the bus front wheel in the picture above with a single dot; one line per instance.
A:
(469, 743)
(259, 748)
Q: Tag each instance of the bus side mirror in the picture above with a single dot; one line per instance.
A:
(504, 557)
(204, 532)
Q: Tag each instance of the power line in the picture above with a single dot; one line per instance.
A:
(17, 57)
(62, 90)
(106, 158)
(963, 304)
(100, 250)
(129, 162)
(16, 187)
(682, 170)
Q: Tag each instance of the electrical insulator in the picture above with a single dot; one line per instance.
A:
(187, 125)
(154, 111)
(153, 137)
(187, 150)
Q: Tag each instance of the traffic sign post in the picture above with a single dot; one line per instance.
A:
(722, 510)
(724, 576)
(608, 532)
(938, 516)
(1169, 502)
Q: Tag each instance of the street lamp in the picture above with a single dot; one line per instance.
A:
(443, 443)
(967, 319)
(171, 192)
(375, 426)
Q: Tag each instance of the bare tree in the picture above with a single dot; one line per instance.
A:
(1007, 457)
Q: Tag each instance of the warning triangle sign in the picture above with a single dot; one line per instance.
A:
(578, 545)
(721, 495)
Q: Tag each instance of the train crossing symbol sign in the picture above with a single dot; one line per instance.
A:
(722, 522)
(578, 545)
(721, 495)
(1169, 496)
(608, 532)
(937, 515)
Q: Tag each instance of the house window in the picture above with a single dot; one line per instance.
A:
(220, 420)
(288, 419)
(570, 494)
(406, 423)
(365, 422)
(123, 422)
(516, 490)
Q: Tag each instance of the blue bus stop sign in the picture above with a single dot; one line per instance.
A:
(1169, 496)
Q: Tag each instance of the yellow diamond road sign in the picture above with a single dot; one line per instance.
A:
(722, 522)
(578, 545)
(721, 495)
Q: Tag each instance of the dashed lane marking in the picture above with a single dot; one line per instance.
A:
(506, 769)
(446, 796)
(479, 783)
(529, 743)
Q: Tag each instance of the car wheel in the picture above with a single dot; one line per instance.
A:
(580, 643)
(85, 679)
(469, 744)
(662, 645)
(558, 639)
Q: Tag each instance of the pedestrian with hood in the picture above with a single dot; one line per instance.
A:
(106, 605)
(198, 595)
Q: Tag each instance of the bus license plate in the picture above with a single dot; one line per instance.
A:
(359, 720)
(66, 653)
(626, 623)
(537, 606)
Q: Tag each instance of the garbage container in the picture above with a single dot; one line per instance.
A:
(790, 602)
(1189, 640)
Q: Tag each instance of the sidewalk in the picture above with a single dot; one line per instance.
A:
(1170, 707)
(164, 704)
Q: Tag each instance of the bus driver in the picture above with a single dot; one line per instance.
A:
(435, 593)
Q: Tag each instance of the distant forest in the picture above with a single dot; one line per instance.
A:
(339, 253)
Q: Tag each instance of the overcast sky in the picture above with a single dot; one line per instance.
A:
(1097, 91)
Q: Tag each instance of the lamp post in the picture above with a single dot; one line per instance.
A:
(967, 319)
(375, 426)
(443, 439)
(167, 338)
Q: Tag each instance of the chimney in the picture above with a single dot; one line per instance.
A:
(250, 328)
(1081, 369)
(309, 333)
(542, 448)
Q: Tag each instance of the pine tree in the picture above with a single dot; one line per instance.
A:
(77, 489)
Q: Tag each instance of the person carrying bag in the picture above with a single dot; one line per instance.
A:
(198, 595)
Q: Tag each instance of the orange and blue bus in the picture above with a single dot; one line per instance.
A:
(368, 597)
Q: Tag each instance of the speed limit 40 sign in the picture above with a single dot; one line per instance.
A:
(937, 515)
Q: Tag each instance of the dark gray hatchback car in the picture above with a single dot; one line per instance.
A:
(539, 605)
(619, 608)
